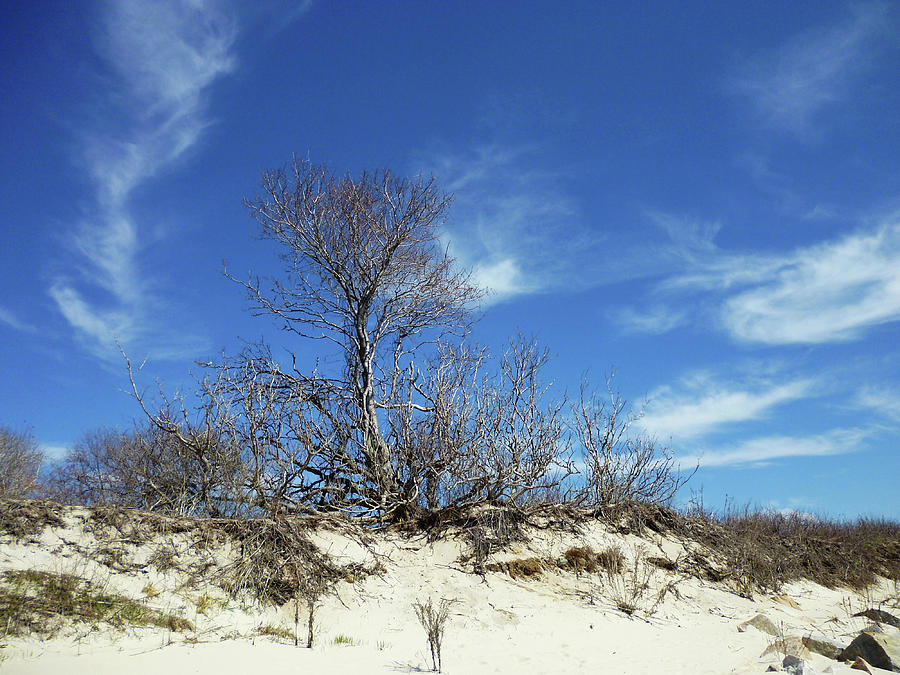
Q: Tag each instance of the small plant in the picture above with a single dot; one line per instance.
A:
(164, 559)
(271, 630)
(434, 621)
(631, 585)
(582, 559)
(204, 603)
(150, 590)
(612, 560)
(342, 639)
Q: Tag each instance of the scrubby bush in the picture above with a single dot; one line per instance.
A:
(20, 462)
(621, 467)
(185, 473)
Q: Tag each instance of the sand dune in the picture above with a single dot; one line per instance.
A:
(532, 610)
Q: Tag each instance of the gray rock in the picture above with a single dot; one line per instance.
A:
(760, 622)
(823, 645)
(880, 616)
(797, 666)
(878, 649)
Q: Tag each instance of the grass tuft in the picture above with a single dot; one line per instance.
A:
(273, 631)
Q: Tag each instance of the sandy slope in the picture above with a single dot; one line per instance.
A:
(559, 622)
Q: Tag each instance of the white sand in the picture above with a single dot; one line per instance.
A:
(559, 623)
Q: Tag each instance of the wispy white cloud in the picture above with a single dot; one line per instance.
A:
(883, 401)
(520, 231)
(791, 85)
(690, 239)
(655, 320)
(831, 291)
(507, 220)
(760, 451)
(501, 278)
(282, 14)
(824, 293)
(699, 404)
(10, 319)
(54, 452)
(165, 55)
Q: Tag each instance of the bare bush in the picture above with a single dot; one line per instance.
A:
(493, 438)
(20, 462)
(146, 468)
(631, 585)
(434, 620)
(620, 467)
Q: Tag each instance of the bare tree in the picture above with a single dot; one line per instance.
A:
(620, 466)
(365, 271)
(96, 470)
(20, 461)
(410, 418)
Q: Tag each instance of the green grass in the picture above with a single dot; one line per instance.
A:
(342, 639)
(38, 602)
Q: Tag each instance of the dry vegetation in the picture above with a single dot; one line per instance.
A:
(761, 551)
(38, 602)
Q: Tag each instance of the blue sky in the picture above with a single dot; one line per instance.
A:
(704, 197)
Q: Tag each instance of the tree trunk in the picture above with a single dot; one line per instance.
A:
(375, 448)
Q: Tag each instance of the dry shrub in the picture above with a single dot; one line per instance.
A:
(663, 563)
(585, 559)
(621, 467)
(28, 518)
(612, 560)
(164, 558)
(631, 587)
(761, 551)
(434, 621)
(20, 461)
(582, 559)
(270, 630)
(523, 567)
(277, 561)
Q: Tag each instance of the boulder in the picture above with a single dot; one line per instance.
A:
(797, 666)
(879, 649)
(760, 622)
(860, 664)
(880, 616)
(823, 645)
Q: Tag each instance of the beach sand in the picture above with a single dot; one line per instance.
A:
(554, 621)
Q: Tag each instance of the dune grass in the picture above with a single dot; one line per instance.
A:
(40, 602)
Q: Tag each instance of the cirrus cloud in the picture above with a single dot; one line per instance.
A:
(164, 55)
